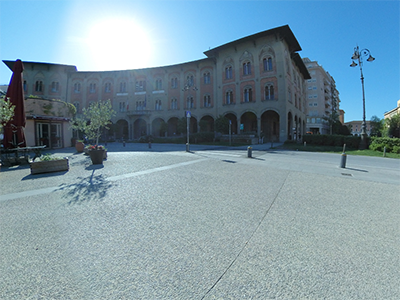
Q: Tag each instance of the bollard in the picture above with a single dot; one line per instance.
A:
(343, 158)
(305, 144)
(123, 143)
(149, 145)
(249, 150)
(384, 151)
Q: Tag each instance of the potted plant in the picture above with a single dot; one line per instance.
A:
(97, 117)
(48, 163)
(79, 146)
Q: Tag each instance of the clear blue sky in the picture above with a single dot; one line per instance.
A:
(106, 35)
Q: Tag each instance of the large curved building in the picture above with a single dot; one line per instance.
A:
(257, 82)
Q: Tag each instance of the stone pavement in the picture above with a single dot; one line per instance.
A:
(162, 223)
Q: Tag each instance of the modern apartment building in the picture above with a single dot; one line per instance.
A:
(258, 82)
(322, 99)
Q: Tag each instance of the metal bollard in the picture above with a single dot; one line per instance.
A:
(343, 158)
(149, 145)
(249, 151)
(384, 151)
(123, 143)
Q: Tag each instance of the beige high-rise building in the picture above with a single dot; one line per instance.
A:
(322, 99)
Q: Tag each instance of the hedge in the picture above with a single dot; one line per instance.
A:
(379, 144)
(352, 142)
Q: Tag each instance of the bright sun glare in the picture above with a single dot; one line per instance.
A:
(118, 44)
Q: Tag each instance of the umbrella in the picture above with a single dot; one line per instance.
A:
(14, 129)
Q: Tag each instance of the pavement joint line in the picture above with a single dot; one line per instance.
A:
(48, 190)
(248, 240)
(149, 171)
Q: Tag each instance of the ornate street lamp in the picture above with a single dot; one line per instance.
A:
(188, 86)
(357, 56)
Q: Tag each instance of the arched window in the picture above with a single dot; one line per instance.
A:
(158, 105)
(269, 92)
(267, 63)
(229, 97)
(77, 87)
(248, 95)
(107, 87)
(174, 103)
(190, 80)
(207, 78)
(39, 86)
(92, 88)
(228, 72)
(122, 87)
(174, 83)
(247, 68)
(77, 106)
(207, 101)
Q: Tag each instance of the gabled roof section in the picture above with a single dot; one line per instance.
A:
(283, 32)
(69, 68)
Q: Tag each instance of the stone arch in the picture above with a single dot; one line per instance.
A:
(139, 128)
(121, 129)
(172, 126)
(270, 126)
(159, 127)
(234, 122)
(206, 124)
(249, 121)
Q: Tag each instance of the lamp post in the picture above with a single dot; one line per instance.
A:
(187, 87)
(358, 56)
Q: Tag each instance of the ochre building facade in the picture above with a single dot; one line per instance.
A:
(258, 82)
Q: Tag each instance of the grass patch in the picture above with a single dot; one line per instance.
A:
(338, 150)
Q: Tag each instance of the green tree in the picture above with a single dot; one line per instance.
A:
(6, 111)
(97, 117)
(222, 124)
(376, 125)
(181, 126)
(393, 125)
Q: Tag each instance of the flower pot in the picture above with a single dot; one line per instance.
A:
(79, 146)
(56, 165)
(97, 156)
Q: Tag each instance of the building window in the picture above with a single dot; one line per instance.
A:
(107, 88)
(92, 88)
(158, 84)
(289, 95)
(228, 72)
(158, 105)
(122, 87)
(190, 80)
(267, 63)
(247, 68)
(269, 92)
(190, 102)
(141, 105)
(77, 88)
(207, 78)
(229, 97)
(247, 95)
(54, 86)
(174, 83)
(122, 107)
(24, 85)
(140, 85)
(39, 86)
(77, 106)
(207, 101)
(174, 104)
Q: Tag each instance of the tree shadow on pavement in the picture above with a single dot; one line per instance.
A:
(91, 188)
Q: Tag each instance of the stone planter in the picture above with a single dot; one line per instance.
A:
(97, 156)
(56, 165)
(79, 146)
